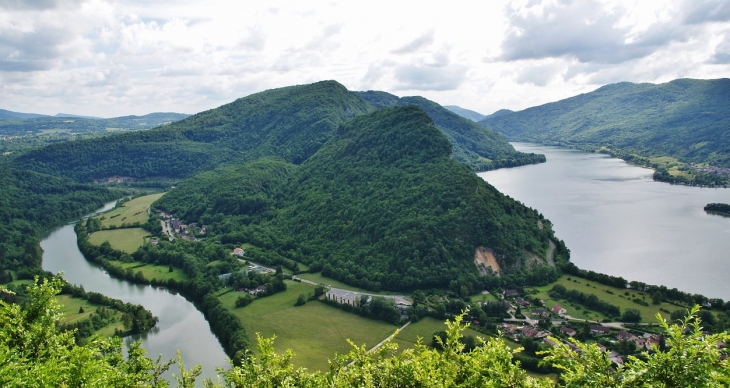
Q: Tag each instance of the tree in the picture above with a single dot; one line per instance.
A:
(631, 315)
(81, 309)
(656, 297)
(301, 300)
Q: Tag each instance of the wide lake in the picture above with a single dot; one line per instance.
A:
(616, 220)
(181, 325)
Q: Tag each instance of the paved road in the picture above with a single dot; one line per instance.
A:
(166, 229)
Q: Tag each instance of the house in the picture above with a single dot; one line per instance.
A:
(510, 293)
(568, 331)
(560, 311)
(522, 302)
(344, 297)
(624, 336)
(257, 290)
(175, 225)
(529, 332)
(153, 241)
(238, 252)
(600, 329)
(548, 341)
(540, 312)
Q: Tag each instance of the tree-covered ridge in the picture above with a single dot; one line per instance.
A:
(31, 204)
(473, 146)
(382, 205)
(234, 192)
(290, 123)
(685, 118)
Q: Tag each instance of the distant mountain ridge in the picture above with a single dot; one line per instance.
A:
(6, 114)
(465, 113)
(29, 124)
(686, 118)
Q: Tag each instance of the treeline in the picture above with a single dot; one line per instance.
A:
(590, 301)
(31, 204)
(717, 207)
(193, 259)
(696, 179)
(374, 307)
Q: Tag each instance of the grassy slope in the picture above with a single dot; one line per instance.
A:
(315, 331)
(130, 212)
(617, 298)
(125, 240)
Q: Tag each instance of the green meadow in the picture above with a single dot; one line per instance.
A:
(314, 331)
(70, 309)
(126, 240)
(159, 272)
(130, 212)
(623, 298)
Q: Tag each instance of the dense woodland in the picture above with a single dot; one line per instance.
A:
(289, 123)
(381, 206)
(30, 205)
(685, 118)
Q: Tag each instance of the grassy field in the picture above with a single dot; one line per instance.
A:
(614, 296)
(315, 331)
(71, 313)
(159, 272)
(317, 277)
(130, 212)
(126, 240)
(483, 298)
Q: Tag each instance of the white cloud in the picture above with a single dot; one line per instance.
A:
(118, 57)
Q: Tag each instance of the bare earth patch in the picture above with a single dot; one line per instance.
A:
(484, 258)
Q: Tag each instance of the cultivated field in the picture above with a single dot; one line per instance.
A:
(315, 331)
(425, 328)
(126, 240)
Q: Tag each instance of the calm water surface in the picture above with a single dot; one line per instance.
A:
(181, 325)
(615, 219)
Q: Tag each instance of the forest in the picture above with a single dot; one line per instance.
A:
(289, 123)
(380, 206)
(684, 118)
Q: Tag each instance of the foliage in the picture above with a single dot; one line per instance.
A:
(717, 207)
(476, 148)
(34, 353)
(30, 205)
(684, 118)
(691, 360)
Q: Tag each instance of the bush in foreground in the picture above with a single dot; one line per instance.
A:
(34, 354)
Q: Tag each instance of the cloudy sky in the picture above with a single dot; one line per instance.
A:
(117, 57)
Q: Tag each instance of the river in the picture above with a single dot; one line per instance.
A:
(616, 220)
(181, 325)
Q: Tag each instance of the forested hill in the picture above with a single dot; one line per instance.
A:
(31, 204)
(19, 125)
(474, 146)
(382, 205)
(685, 118)
(289, 123)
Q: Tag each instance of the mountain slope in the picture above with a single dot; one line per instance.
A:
(473, 146)
(381, 205)
(290, 123)
(6, 114)
(687, 119)
(465, 113)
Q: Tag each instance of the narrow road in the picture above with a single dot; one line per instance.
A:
(396, 298)
(550, 253)
(389, 337)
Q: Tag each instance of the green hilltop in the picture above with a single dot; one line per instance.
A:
(686, 119)
(289, 123)
(382, 205)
